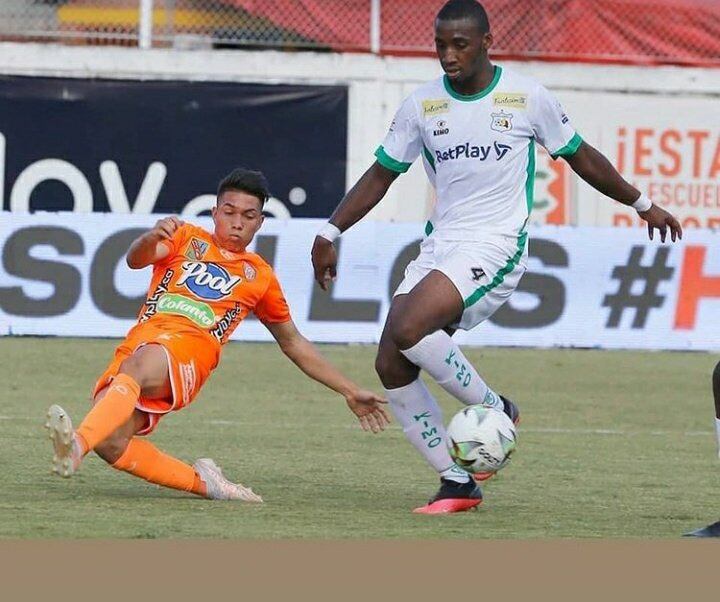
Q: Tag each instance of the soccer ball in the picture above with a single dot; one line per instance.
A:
(481, 439)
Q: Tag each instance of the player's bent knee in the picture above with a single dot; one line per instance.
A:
(133, 367)
(112, 448)
(392, 369)
(383, 365)
(405, 335)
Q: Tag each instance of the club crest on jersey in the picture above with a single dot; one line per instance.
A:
(501, 122)
(250, 272)
(207, 280)
(196, 249)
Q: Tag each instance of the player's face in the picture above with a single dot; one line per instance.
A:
(238, 216)
(461, 47)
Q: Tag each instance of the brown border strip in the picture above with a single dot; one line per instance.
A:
(368, 570)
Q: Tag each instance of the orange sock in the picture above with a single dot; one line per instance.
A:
(110, 413)
(144, 460)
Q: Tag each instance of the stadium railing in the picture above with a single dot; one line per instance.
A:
(683, 32)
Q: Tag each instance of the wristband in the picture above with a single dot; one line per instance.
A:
(643, 203)
(329, 232)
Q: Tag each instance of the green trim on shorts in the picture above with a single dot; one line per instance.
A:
(570, 148)
(500, 276)
(429, 228)
(530, 182)
(389, 163)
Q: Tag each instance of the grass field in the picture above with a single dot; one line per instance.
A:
(612, 444)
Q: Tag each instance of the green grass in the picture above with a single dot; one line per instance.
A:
(612, 444)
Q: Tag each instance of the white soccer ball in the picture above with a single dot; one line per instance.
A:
(481, 439)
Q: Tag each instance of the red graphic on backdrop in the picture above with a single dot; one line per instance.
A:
(695, 286)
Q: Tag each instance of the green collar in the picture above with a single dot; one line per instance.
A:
(479, 95)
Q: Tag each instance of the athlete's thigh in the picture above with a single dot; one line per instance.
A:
(433, 304)
(149, 366)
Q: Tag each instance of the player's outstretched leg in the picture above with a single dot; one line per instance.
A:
(124, 451)
(418, 332)
(111, 426)
(417, 411)
(142, 459)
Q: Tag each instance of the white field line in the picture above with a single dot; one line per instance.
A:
(522, 429)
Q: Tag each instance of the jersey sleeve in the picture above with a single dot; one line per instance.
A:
(273, 308)
(175, 243)
(403, 142)
(551, 126)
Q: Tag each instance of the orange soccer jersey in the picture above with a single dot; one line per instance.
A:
(197, 297)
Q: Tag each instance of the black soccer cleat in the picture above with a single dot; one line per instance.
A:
(709, 531)
(453, 497)
(511, 409)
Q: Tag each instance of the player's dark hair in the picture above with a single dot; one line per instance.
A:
(454, 10)
(245, 180)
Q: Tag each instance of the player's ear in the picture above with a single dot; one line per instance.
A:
(488, 41)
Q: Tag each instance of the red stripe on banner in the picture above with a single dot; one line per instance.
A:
(646, 32)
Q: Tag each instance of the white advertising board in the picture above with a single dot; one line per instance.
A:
(64, 274)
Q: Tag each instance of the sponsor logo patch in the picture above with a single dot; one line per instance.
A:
(196, 249)
(152, 301)
(195, 311)
(227, 323)
(441, 128)
(468, 151)
(510, 100)
(207, 280)
(435, 107)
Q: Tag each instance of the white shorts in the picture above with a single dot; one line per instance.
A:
(485, 273)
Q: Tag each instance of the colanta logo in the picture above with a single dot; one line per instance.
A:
(468, 151)
(207, 280)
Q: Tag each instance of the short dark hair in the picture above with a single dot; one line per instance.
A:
(245, 180)
(465, 9)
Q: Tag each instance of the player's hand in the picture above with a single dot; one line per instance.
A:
(164, 228)
(657, 217)
(324, 260)
(368, 408)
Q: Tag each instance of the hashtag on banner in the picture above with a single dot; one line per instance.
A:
(627, 275)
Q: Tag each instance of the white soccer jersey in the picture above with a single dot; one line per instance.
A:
(478, 151)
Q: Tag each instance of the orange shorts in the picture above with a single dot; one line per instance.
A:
(191, 358)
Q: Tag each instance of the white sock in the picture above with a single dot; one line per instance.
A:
(717, 433)
(417, 411)
(442, 359)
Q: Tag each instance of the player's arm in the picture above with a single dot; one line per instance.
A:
(401, 146)
(356, 204)
(593, 167)
(148, 248)
(364, 404)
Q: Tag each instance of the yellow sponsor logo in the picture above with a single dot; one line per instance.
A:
(435, 107)
(509, 100)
